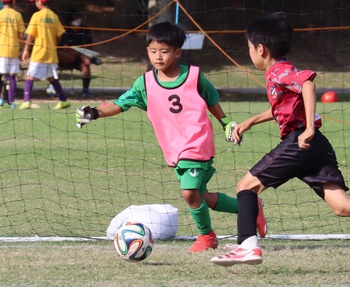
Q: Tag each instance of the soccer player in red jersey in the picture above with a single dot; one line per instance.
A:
(304, 152)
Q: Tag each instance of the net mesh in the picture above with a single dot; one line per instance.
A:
(56, 180)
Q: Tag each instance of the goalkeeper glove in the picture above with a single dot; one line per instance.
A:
(228, 127)
(85, 115)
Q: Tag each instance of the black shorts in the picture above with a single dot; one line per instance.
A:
(314, 166)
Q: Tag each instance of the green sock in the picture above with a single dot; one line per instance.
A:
(226, 204)
(201, 218)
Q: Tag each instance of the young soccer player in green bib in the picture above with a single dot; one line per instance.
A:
(176, 98)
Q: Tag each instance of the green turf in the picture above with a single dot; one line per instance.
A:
(58, 180)
(71, 264)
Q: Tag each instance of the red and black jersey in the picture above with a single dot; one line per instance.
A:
(284, 83)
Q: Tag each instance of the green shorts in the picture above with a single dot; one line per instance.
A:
(194, 178)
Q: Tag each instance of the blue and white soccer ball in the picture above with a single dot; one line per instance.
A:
(133, 242)
(51, 91)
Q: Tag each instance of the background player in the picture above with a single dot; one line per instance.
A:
(11, 32)
(46, 29)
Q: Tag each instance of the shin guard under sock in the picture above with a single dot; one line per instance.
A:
(226, 204)
(247, 214)
(28, 86)
(201, 218)
(59, 91)
(12, 89)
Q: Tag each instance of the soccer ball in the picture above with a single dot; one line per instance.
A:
(51, 91)
(133, 242)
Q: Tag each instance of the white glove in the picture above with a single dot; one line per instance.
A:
(228, 127)
(228, 132)
(85, 115)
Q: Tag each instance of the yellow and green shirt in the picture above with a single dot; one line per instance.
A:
(11, 25)
(45, 27)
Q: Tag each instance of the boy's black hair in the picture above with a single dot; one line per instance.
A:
(273, 32)
(165, 32)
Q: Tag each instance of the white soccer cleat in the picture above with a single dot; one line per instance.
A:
(239, 256)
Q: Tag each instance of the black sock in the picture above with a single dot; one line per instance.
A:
(86, 82)
(247, 214)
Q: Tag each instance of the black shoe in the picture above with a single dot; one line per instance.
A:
(96, 61)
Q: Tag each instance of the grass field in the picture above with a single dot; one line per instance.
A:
(286, 263)
(69, 182)
(57, 180)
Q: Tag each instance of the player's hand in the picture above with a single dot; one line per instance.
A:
(237, 134)
(84, 115)
(229, 134)
(25, 56)
(305, 138)
(229, 127)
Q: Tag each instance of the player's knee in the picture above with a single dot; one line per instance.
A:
(341, 208)
(186, 195)
(211, 199)
(242, 185)
(191, 197)
(249, 182)
(342, 211)
(85, 61)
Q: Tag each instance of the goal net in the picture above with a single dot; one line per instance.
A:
(57, 181)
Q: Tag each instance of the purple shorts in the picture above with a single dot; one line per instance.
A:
(315, 166)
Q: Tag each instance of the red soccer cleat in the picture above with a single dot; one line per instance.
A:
(261, 224)
(239, 256)
(204, 242)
